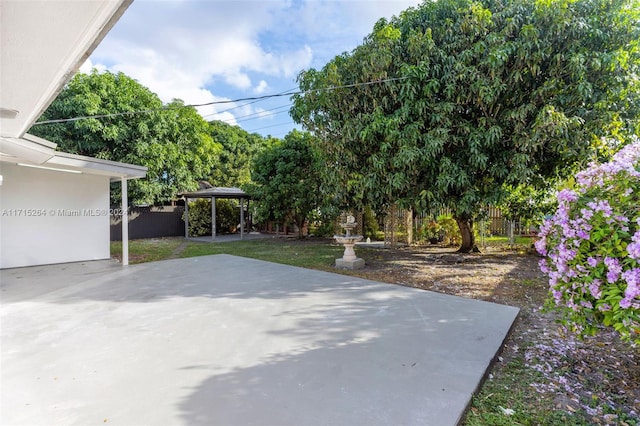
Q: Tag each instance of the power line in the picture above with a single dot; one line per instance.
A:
(240, 106)
(267, 127)
(261, 114)
(255, 98)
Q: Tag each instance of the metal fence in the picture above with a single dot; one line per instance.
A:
(150, 222)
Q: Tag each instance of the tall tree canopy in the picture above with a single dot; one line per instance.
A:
(239, 148)
(473, 96)
(286, 180)
(171, 140)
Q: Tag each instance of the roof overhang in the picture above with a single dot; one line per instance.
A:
(219, 192)
(43, 43)
(32, 151)
(28, 148)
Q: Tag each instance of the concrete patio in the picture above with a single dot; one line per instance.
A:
(224, 340)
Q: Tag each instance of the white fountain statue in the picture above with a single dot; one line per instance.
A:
(349, 259)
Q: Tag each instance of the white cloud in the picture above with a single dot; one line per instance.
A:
(88, 66)
(238, 79)
(191, 49)
(261, 88)
(295, 62)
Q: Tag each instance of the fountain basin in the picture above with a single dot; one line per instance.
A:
(349, 259)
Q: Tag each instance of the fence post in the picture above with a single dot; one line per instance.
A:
(512, 239)
(409, 225)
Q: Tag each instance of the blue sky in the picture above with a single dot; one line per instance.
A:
(214, 50)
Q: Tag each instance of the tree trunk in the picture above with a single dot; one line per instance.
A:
(468, 239)
(300, 224)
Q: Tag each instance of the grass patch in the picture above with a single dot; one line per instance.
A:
(509, 389)
(148, 250)
(501, 240)
(290, 252)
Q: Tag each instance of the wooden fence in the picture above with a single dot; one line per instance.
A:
(401, 226)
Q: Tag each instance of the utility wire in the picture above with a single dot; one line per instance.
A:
(240, 106)
(267, 127)
(261, 114)
(255, 98)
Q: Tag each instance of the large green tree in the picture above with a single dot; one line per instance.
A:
(239, 147)
(474, 96)
(286, 180)
(171, 140)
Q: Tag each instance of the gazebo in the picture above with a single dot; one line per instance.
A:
(213, 193)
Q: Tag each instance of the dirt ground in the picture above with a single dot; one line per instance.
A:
(597, 380)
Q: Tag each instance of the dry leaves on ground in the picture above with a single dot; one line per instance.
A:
(597, 377)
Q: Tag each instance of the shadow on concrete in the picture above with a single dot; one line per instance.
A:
(228, 340)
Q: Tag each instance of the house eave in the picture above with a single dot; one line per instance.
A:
(35, 151)
(114, 169)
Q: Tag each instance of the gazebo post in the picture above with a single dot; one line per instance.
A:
(186, 218)
(241, 217)
(213, 194)
(213, 218)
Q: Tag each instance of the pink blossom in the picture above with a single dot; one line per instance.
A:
(541, 246)
(614, 269)
(567, 195)
(634, 250)
(590, 256)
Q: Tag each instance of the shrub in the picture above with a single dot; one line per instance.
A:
(592, 248)
(431, 230)
(371, 227)
(449, 227)
(200, 217)
(227, 218)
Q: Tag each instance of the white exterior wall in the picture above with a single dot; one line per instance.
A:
(52, 217)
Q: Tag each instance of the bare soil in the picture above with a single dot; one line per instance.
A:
(596, 380)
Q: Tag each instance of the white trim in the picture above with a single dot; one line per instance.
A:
(49, 168)
(125, 223)
(98, 166)
(32, 151)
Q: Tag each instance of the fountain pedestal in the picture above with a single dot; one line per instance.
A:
(349, 259)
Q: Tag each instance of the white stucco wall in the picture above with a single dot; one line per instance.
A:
(52, 217)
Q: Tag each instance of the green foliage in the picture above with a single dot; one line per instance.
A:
(449, 228)
(486, 94)
(323, 229)
(431, 230)
(239, 148)
(171, 140)
(287, 180)
(371, 227)
(323, 222)
(200, 217)
(227, 218)
(527, 203)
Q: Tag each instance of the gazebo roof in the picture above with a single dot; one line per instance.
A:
(220, 192)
